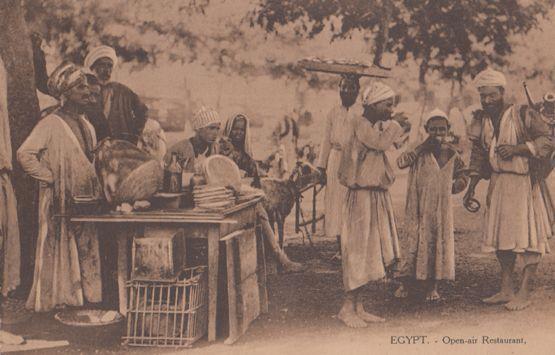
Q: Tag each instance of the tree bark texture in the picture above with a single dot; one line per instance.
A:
(24, 112)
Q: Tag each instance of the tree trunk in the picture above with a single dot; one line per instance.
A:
(23, 111)
(383, 35)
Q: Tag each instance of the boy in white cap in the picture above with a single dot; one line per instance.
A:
(507, 145)
(124, 110)
(192, 151)
(369, 241)
(435, 174)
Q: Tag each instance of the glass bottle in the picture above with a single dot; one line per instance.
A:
(172, 175)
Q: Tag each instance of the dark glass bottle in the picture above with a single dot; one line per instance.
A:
(172, 175)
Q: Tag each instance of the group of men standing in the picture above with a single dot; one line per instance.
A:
(511, 147)
(59, 155)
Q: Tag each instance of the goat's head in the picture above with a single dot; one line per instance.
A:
(307, 153)
(303, 174)
(225, 146)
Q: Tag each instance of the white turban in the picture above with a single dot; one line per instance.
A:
(100, 52)
(376, 92)
(204, 118)
(436, 113)
(490, 77)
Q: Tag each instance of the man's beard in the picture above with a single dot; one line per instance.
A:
(494, 109)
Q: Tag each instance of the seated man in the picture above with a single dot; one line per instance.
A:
(191, 152)
(237, 130)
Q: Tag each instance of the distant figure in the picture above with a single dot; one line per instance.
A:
(285, 136)
(435, 174)
(153, 140)
(507, 141)
(125, 112)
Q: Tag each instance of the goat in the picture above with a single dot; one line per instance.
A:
(282, 193)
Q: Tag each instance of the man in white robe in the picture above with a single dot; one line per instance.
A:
(508, 142)
(369, 240)
(58, 153)
(335, 136)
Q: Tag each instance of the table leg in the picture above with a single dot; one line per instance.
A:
(231, 292)
(262, 269)
(213, 260)
(122, 272)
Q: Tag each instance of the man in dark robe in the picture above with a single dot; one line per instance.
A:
(124, 110)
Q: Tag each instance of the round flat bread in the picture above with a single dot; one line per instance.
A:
(222, 171)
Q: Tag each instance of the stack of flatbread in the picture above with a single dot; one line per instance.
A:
(209, 197)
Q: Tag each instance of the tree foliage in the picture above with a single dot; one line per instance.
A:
(140, 30)
(453, 38)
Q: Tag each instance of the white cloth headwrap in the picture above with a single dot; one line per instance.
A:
(229, 126)
(436, 113)
(100, 52)
(490, 77)
(204, 118)
(376, 92)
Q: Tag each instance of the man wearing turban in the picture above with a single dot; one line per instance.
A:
(58, 153)
(191, 152)
(124, 110)
(508, 143)
(369, 241)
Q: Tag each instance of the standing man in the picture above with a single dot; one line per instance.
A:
(507, 140)
(58, 154)
(125, 112)
(369, 240)
(335, 136)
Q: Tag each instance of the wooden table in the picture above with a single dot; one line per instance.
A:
(234, 223)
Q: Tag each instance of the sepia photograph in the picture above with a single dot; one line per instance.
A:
(277, 177)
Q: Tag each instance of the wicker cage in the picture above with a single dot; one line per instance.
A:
(167, 313)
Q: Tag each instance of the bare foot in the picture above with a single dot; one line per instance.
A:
(368, 317)
(501, 297)
(518, 303)
(433, 296)
(292, 267)
(351, 319)
(401, 292)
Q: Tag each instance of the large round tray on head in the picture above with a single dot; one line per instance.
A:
(222, 172)
(343, 67)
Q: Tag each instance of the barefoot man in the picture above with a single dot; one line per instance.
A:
(507, 142)
(369, 242)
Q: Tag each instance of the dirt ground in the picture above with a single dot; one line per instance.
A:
(302, 320)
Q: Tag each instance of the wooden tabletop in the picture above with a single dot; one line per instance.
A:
(187, 215)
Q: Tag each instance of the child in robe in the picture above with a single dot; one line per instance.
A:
(435, 174)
